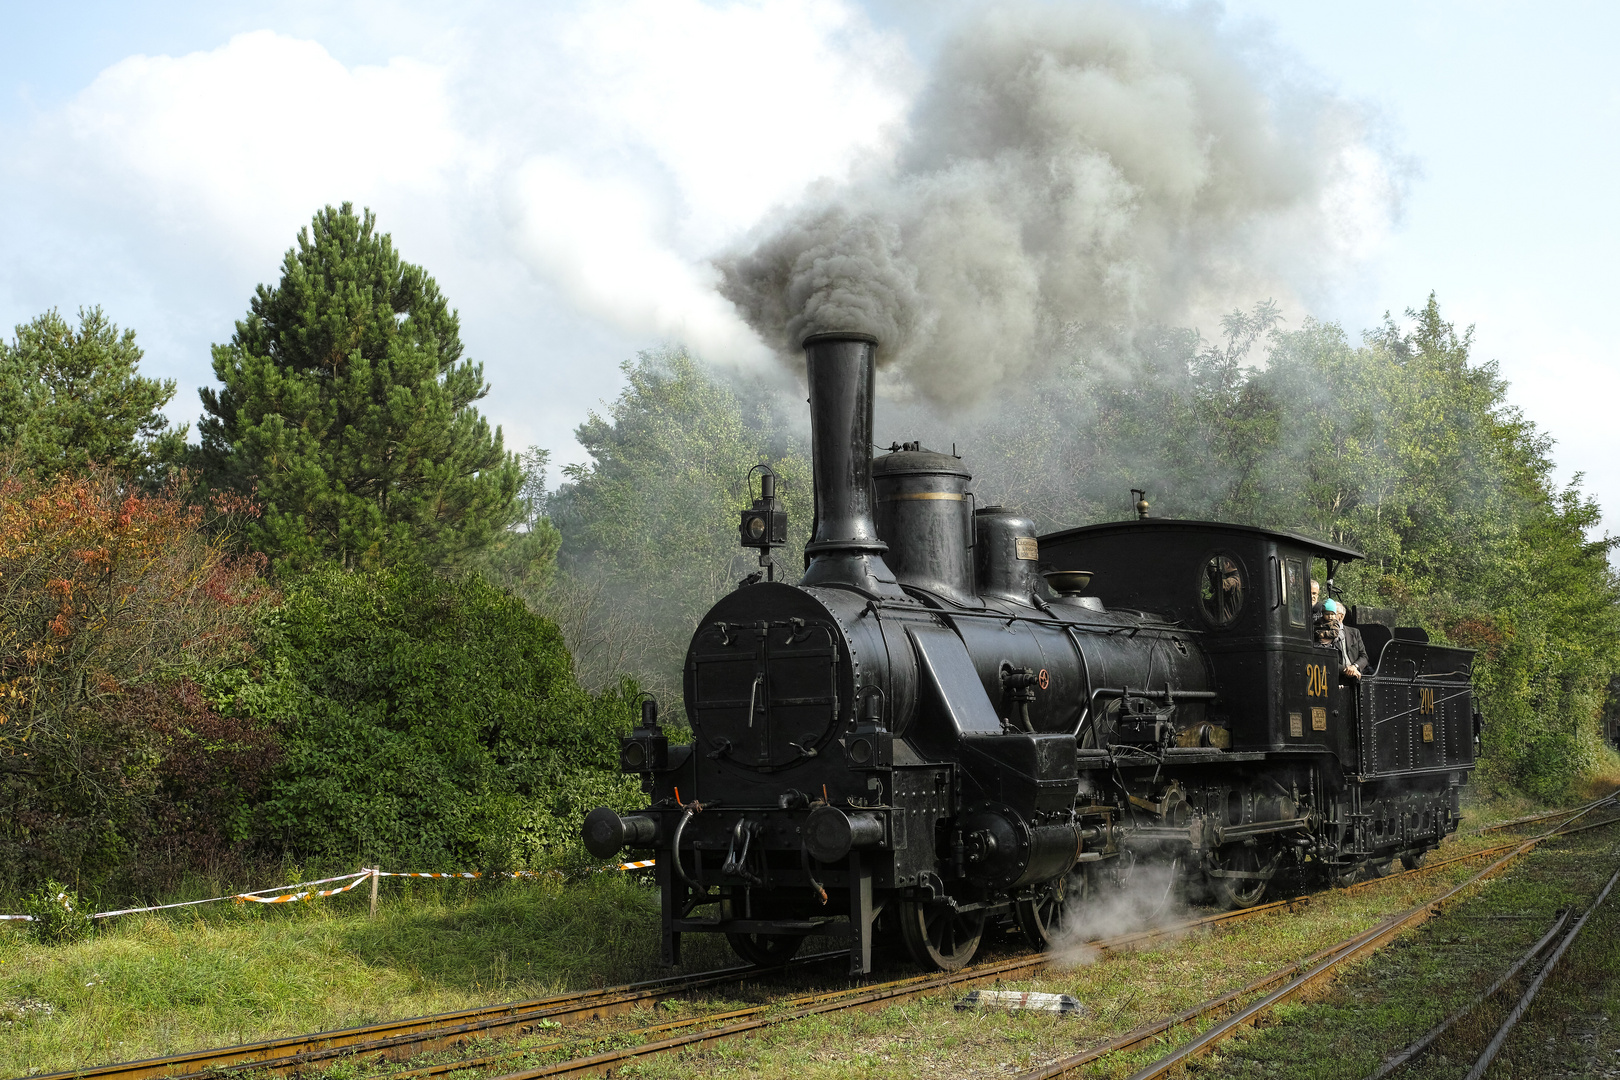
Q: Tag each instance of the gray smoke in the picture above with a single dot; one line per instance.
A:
(1095, 164)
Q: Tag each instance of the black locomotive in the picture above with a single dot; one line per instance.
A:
(928, 734)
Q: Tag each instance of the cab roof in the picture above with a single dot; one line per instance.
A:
(1323, 548)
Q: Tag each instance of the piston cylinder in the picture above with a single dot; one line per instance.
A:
(830, 834)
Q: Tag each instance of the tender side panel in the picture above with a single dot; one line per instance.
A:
(1417, 712)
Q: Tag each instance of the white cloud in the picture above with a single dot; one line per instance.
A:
(742, 103)
(263, 128)
(564, 171)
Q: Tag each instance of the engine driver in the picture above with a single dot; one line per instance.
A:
(1346, 640)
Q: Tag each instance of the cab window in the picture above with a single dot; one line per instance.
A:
(1295, 590)
(1221, 589)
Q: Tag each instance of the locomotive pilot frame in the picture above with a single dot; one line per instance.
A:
(950, 723)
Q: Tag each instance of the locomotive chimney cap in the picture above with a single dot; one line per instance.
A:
(838, 335)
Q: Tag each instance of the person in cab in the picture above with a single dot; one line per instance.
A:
(1346, 640)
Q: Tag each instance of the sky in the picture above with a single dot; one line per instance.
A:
(567, 171)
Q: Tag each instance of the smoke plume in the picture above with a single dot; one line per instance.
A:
(1094, 164)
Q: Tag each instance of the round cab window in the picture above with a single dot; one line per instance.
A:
(1220, 589)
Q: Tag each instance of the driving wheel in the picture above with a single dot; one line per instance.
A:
(1414, 859)
(1041, 917)
(1240, 892)
(939, 936)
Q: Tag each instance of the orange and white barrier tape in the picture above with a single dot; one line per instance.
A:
(306, 892)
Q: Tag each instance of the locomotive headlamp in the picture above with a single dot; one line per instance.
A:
(646, 749)
(764, 525)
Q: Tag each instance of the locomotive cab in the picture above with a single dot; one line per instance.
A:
(1246, 592)
(1373, 762)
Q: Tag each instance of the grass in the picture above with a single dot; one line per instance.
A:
(147, 985)
(154, 984)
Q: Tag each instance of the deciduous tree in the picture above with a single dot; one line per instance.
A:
(103, 591)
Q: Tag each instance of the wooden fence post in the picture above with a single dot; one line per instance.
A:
(376, 873)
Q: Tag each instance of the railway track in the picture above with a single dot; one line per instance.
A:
(1531, 819)
(1565, 935)
(659, 1039)
(1291, 981)
(401, 1040)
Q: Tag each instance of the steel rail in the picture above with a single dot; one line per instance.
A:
(1529, 995)
(1412, 917)
(1533, 818)
(1424, 1041)
(422, 1033)
(1007, 970)
(1147, 1032)
(866, 996)
(754, 1018)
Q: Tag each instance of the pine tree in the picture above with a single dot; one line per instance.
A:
(71, 398)
(347, 407)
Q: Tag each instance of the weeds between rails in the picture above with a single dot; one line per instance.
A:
(1342, 953)
(401, 1040)
(1486, 1056)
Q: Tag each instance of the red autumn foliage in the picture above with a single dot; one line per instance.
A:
(211, 769)
(1477, 632)
(106, 596)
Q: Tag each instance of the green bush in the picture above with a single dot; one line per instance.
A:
(60, 915)
(426, 723)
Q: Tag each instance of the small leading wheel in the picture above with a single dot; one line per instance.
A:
(1240, 892)
(939, 936)
(766, 950)
(1414, 860)
(1041, 917)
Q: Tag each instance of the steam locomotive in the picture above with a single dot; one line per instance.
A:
(948, 725)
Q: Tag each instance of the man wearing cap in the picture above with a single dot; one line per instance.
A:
(1346, 639)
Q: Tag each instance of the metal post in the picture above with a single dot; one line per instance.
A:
(376, 873)
(670, 902)
(860, 915)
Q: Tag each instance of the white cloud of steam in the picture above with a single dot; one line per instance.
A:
(1094, 163)
(604, 254)
(1148, 898)
(686, 122)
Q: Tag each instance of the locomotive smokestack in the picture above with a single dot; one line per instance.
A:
(844, 548)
